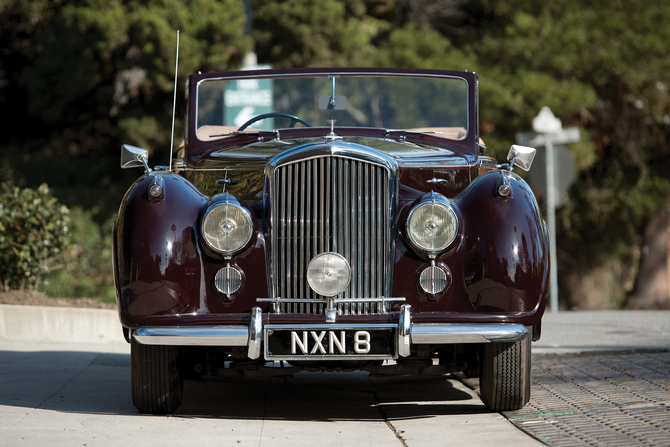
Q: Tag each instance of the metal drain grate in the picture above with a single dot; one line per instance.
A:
(599, 400)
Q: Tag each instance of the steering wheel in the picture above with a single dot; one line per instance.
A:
(294, 119)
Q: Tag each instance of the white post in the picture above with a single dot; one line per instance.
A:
(551, 223)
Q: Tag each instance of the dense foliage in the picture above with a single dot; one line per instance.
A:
(80, 78)
(85, 268)
(34, 235)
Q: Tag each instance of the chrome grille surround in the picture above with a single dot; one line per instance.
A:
(332, 196)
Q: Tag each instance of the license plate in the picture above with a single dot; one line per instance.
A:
(330, 342)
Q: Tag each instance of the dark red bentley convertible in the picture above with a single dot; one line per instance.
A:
(330, 219)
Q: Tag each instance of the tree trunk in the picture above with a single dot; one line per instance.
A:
(652, 288)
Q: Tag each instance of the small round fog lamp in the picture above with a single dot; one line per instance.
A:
(433, 280)
(228, 280)
(328, 274)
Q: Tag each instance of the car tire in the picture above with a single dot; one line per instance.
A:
(504, 378)
(156, 378)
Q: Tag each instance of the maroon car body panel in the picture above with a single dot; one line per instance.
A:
(497, 267)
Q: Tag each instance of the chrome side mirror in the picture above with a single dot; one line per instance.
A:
(521, 156)
(134, 157)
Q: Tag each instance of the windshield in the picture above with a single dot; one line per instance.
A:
(436, 105)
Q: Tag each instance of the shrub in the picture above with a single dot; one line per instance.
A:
(34, 235)
(87, 268)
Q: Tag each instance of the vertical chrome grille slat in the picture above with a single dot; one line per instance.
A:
(315, 202)
(359, 225)
(347, 239)
(301, 220)
(353, 286)
(326, 214)
(331, 203)
(382, 239)
(373, 229)
(282, 254)
(294, 235)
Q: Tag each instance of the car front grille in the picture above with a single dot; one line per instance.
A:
(331, 204)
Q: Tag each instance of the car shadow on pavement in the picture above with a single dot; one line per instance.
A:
(68, 381)
(315, 396)
(99, 383)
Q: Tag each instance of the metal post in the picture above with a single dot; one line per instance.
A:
(551, 223)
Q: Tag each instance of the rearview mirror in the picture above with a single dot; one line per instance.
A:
(134, 157)
(521, 156)
(332, 103)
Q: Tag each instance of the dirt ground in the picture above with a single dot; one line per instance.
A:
(32, 298)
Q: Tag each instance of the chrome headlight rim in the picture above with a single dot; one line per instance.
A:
(232, 202)
(434, 279)
(228, 281)
(437, 200)
(313, 281)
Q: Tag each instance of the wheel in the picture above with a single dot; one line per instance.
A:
(156, 378)
(504, 377)
(294, 119)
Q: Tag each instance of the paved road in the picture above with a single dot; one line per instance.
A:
(74, 393)
(600, 331)
(79, 395)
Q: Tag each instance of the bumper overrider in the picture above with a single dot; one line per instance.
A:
(332, 341)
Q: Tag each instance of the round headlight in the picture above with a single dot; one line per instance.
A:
(227, 227)
(432, 225)
(328, 274)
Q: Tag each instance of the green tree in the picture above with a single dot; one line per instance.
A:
(78, 79)
(601, 66)
(87, 76)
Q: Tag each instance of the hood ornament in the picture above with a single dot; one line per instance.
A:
(332, 135)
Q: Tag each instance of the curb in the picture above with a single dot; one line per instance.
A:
(61, 324)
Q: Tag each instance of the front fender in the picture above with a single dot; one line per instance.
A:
(505, 246)
(157, 265)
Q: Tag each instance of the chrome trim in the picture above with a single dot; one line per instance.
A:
(504, 188)
(522, 156)
(408, 333)
(330, 312)
(339, 175)
(156, 187)
(228, 280)
(329, 327)
(438, 181)
(448, 333)
(332, 135)
(255, 333)
(405, 331)
(193, 336)
(382, 300)
(434, 198)
(476, 107)
(433, 280)
(310, 279)
(316, 327)
(133, 156)
(344, 74)
(232, 201)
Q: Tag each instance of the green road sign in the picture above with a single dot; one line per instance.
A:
(246, 98)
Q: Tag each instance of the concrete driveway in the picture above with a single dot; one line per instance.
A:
(78, 394)
(74, 392)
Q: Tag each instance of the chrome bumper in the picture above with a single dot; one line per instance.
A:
(408, 334)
